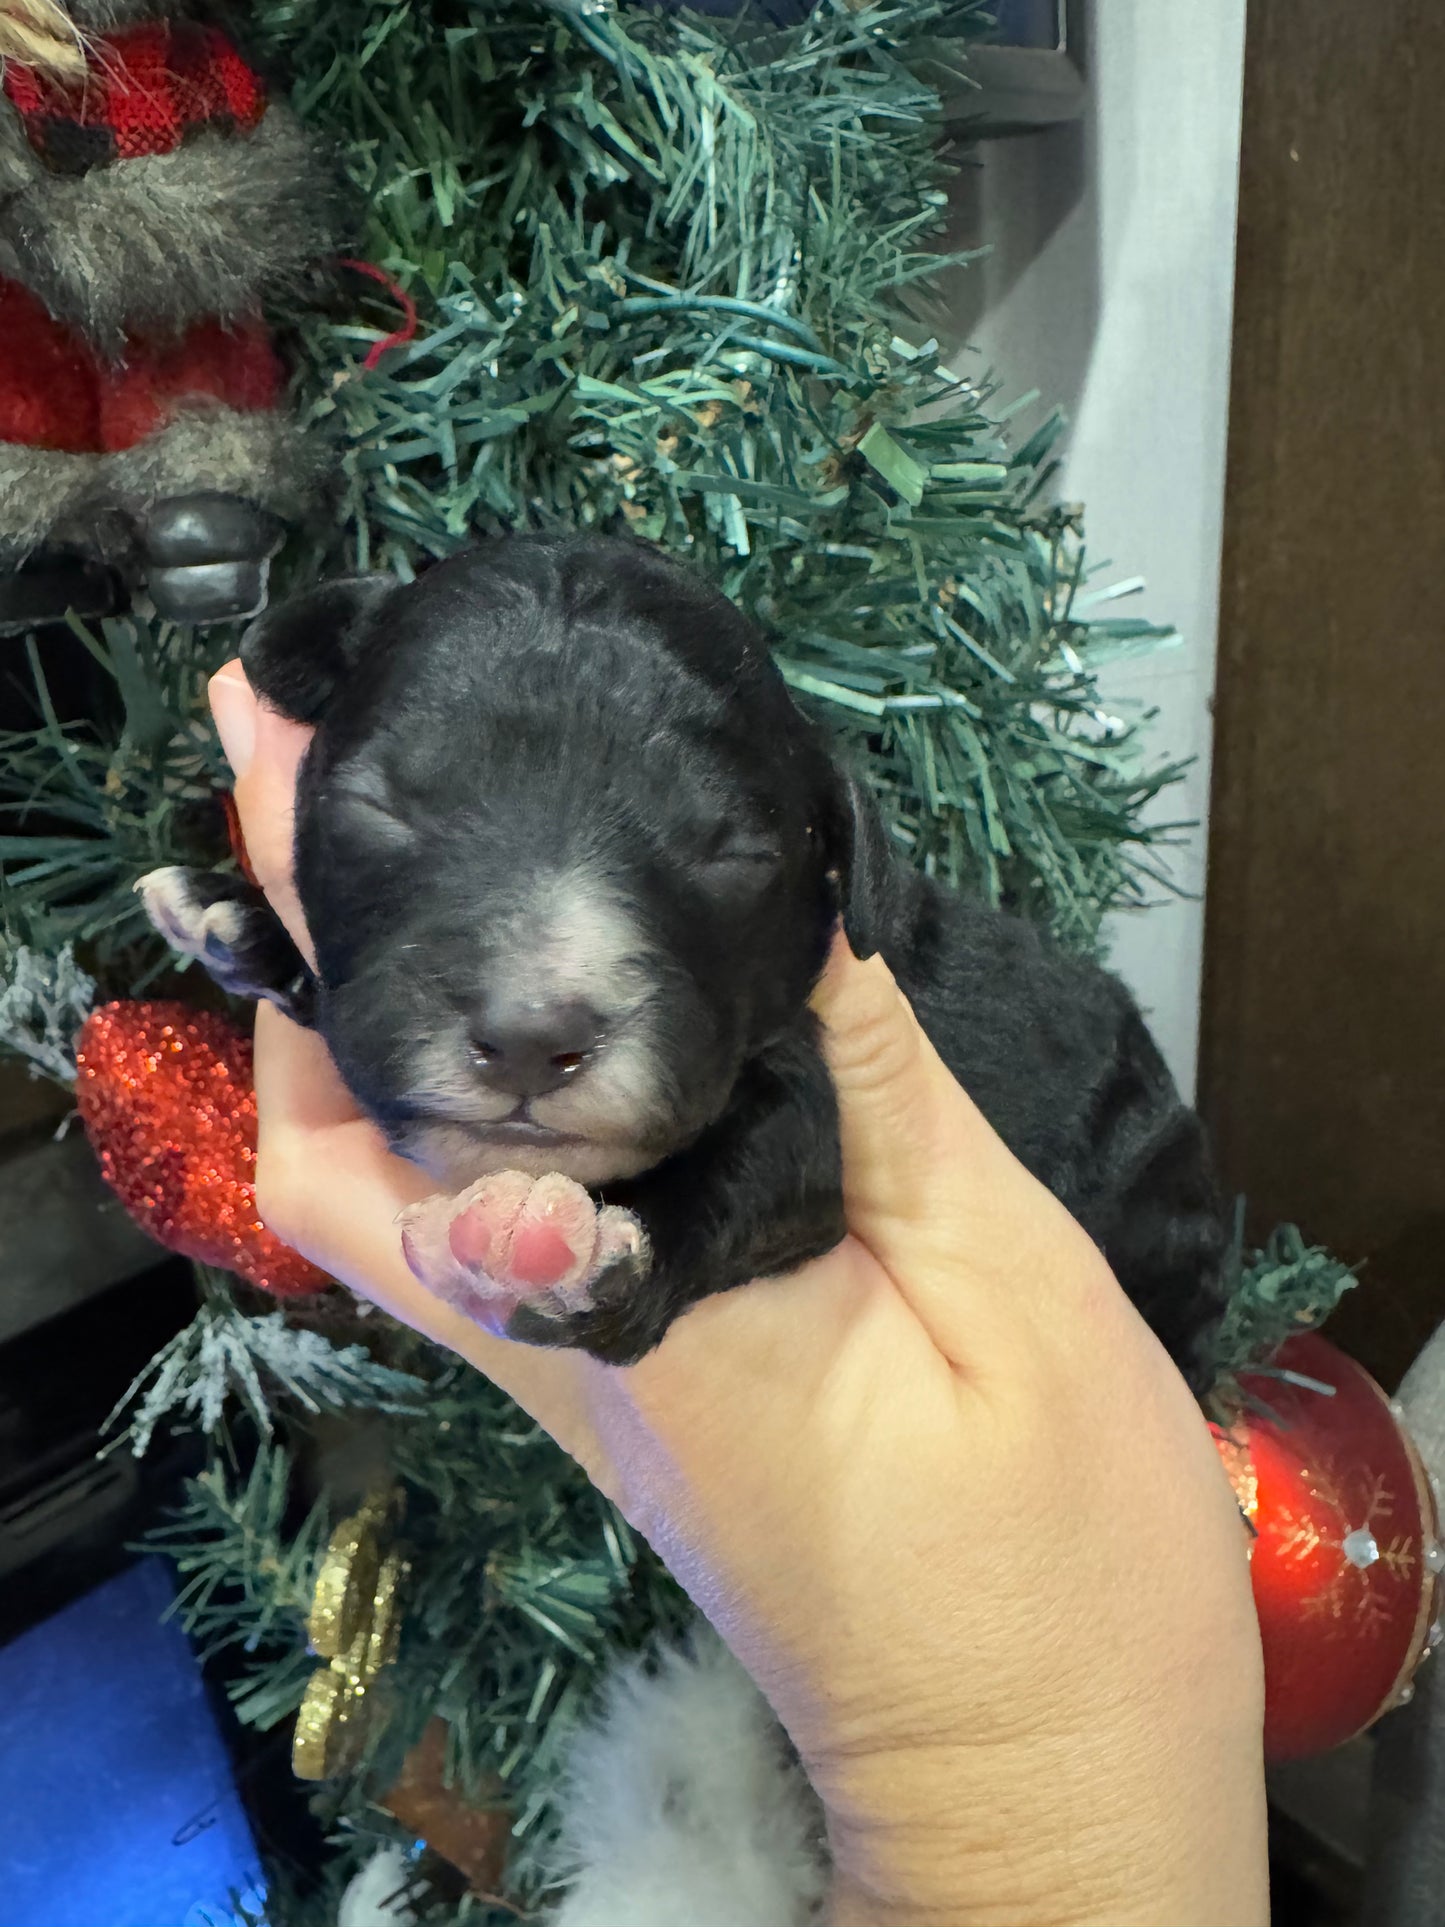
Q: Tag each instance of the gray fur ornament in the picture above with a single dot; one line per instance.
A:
(153, 199)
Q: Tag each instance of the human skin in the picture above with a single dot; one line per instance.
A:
(941, 1491)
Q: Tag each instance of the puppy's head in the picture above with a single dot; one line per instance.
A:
(569, 854)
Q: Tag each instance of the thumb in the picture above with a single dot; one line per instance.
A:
(264, 750)
(928, 1185)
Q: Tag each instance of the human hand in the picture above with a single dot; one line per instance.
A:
(940, 1491)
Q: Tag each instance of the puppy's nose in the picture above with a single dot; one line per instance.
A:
(530, 1049)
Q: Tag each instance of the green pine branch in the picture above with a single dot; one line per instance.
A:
(662, 266)
(225, 1358)
(524, 1582)
(1284, 1288)
(45, 997)
(246, 1573)
(665, 268)
(88, 807)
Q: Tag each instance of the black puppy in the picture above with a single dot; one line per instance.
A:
(571, 859)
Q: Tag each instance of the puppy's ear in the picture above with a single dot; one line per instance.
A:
(867, 866)
(297, 654)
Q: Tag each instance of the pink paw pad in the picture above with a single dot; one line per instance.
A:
(511, 1239)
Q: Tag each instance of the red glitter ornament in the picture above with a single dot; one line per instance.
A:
(167, 1099)
(1346, 1557)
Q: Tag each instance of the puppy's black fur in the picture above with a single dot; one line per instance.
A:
(563, 769)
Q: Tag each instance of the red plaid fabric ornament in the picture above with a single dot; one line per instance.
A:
(146, 90)
(56, 392)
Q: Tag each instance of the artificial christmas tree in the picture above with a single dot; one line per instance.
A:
(670, 275)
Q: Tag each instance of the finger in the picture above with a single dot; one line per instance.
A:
(265, 750)
(233, 711)
(298, 1084)
(929, 1187)
(327, 1184)
(915, 1148)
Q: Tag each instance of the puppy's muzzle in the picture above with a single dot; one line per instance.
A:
(528, 1050)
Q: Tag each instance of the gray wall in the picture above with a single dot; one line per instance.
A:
(1109, 288)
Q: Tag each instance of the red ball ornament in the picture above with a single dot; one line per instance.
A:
(167, 1099)
(1346, 1554)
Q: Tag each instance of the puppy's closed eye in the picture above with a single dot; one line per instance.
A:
(739, 859)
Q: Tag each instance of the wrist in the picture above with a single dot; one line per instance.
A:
(849, 1905)
(1066, 1837)
(1232, 1896)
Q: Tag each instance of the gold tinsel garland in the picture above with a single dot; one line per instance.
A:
(354, 1625)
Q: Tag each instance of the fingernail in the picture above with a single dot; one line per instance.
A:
(233, 710)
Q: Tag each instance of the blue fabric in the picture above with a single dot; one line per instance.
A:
(117, 1807)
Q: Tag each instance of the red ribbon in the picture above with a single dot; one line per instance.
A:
(399, 336)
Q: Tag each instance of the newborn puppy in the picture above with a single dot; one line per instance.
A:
(571, 859)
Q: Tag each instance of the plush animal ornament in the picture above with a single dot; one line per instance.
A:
(152, 198)
(571, 859)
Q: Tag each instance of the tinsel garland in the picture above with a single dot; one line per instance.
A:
(675, 273)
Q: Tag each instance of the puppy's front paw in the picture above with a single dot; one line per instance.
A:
(511, 1250)
(195, 920)
(229, 928)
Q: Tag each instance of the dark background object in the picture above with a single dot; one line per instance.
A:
(67, 1517)
(1323, 1048)
(85, 1297)
(63, 1232)
(1030, 77)
(44, 588)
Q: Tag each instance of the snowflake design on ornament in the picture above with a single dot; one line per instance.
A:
(1353, 1592)
(1302, 1538)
